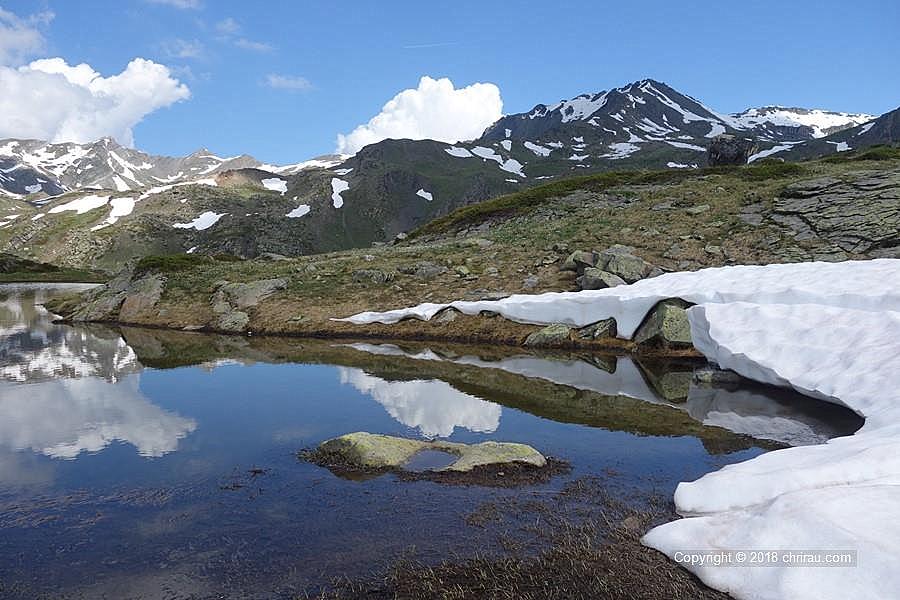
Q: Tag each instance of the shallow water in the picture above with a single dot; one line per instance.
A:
(153, 464)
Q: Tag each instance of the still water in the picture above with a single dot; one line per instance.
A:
(152, 464)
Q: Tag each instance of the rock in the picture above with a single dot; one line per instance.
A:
(711, 375)
(141, 295)
(530, 282)
(726, 149)
(248, 295)
(629, 267)
(462, 270)
(365, 450)
(448, 315)
(231, 301)
(400, 237)
(601, 329)
(666, 325)
(697, 210)
(597, 279)
(483, 294)
(579, 260)
(424, 270)
(233, 320)
(551, 335)
(670, 380)
(375, 276)
(273, 256)
(857, 215)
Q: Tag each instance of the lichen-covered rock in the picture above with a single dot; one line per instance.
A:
(666, 325)
(597, 279)
(556, 334)
(628, 267)
(601, 329)
(375, 276)
(365, 450)
(424, 270)
(579, 260)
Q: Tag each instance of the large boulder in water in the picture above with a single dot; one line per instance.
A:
(726, 149)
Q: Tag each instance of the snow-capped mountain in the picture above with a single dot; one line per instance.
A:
(795, 123)
(203, 203)
(649, 123)
(37, 167)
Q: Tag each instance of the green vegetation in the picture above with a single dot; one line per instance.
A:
(526, 200)
(16, 269)
(171, 263)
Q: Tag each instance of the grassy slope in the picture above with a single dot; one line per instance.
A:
(530, 233)
(14, 269)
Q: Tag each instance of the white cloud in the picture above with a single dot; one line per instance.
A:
(228, 26)
(435, 110)
(252, 45)
(51, 100)
(288, 82)
(20, 38)
(182, 4)
(179, 48)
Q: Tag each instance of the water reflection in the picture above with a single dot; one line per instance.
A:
(82, 389)
(763, 412)
(433, 407)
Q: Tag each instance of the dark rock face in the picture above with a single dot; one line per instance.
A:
(730, 150)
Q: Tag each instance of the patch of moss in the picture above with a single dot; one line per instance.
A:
(171, 263)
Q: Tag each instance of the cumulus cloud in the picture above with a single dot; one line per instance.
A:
(434, 110)
(288, 82)
(21, 38)
(51, 100)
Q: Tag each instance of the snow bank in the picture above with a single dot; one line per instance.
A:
(424, 194)
(866, 285)
(810, 497)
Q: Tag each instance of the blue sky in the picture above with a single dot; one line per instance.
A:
(355, 56)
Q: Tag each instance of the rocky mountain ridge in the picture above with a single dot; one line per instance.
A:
(99, 205)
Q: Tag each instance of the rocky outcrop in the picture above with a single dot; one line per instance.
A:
(858, 215)
(728, 149)
(231, 301)
(616, 265)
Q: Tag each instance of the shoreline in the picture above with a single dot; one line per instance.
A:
(393, 333)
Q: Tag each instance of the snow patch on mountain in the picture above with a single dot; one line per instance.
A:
(204, 221)
(338, 186)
